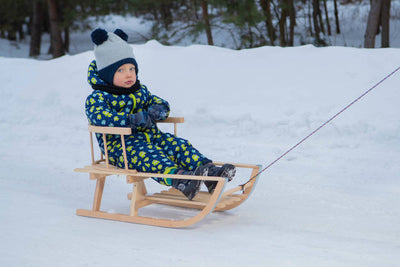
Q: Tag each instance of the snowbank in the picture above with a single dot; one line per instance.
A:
(331, 202)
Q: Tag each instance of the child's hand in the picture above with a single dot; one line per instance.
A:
(140, 119)
(158, 112)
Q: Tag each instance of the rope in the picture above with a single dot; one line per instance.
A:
(321, 126)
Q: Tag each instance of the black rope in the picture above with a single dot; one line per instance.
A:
(321, 126)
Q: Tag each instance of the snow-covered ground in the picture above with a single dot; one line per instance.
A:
(331, 202)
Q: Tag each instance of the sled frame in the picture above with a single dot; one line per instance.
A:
(139, 198)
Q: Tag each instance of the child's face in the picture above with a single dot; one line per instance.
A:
(125, 76)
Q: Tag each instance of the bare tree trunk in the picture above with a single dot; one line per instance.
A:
(321, 21)
(204, 6)
(317, 29)
(249, 22)
(266, 7)
(292, 19)
(372, 24)
(56, 40)
(310, 18)
(315, 15)
(328, 25)
(336, 17)
(385, 19)
(282, 26)
(36, 31)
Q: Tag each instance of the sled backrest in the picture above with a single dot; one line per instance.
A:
(122, 131)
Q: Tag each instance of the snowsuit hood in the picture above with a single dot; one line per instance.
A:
(98, 84)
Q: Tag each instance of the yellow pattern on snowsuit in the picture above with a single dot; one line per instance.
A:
(148, 150)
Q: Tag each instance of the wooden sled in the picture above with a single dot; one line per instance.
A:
(139, 197)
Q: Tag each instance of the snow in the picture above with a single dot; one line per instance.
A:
(330, 202)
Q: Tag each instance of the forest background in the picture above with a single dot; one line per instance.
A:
(242, 23)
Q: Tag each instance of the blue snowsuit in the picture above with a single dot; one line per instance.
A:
(148, 150)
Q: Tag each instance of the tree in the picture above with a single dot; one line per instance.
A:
(336, 17)
(315, 15)
(328, 24)
(204, 6)
(57, 46)
(372, 24)
(282, 22)
(245, 17)
(385, 18)
(36, 29)
(379, 15)
(318, 23)
(12, 18)
(266, 7)
(292, 20)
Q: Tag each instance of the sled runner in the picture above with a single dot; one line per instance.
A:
(219, 200)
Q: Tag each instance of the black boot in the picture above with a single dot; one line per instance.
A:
(190, 188)
(227, 171)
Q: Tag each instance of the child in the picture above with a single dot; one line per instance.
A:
(120, 100)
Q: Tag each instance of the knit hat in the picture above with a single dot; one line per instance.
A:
(111, 51)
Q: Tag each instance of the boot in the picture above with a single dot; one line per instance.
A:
(190, 188)
(227, 171)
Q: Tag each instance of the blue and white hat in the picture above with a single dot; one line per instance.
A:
(111, 51)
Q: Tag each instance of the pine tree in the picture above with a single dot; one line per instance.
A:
(36, 28)
(57, 47)
(372, 24)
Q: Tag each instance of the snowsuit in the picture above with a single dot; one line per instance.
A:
(148, 150)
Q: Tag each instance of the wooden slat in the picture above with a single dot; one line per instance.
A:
(239, 165)
(124, 152)
(233, 190)
(100, 168)
(177, 176)
(231, 203)
(91, 147)
(173, 120)
(178, 199)
(141, 219)
(127, 130)
(110, 130)
(98, 194)
(137, 196)
(134, 179)
(176, 194)
(105, 149)
(182, 202)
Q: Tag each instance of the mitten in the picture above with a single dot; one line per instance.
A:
(140, 119)
(158, 112)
